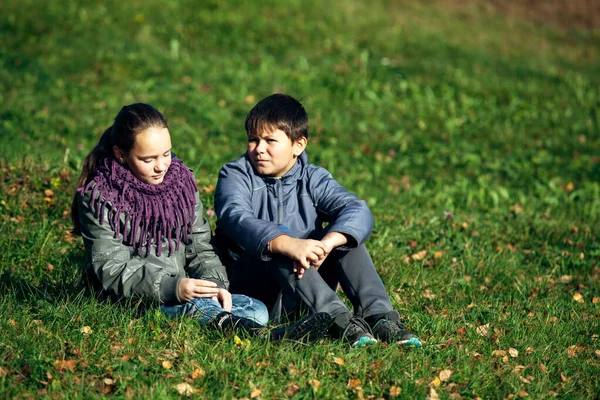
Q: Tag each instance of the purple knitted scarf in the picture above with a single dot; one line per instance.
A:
(152, 212)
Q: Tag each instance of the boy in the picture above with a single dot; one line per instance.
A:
(271, 210)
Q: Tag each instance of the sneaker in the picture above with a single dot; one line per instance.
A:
(356, 331)
(308, 329)
(227, 321)
(391, 328)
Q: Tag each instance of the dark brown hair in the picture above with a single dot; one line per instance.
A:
(278, 111)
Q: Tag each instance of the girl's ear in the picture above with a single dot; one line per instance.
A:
(118, 154)
(299, 146)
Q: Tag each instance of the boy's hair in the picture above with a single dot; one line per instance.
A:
(278, 111)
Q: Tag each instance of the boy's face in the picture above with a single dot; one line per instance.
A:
(273, 153)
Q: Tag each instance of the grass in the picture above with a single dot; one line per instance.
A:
(420, 109)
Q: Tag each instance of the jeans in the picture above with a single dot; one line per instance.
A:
(204, 310)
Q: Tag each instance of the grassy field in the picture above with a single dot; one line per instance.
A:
(474, 138)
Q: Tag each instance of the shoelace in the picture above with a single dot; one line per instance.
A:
(362, 324)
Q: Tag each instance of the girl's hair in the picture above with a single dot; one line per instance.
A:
(129, 122)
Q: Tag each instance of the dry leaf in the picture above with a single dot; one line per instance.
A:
(578, 298)
(184, 389)
(428, 295)
(315, 384)
(483, 330)
(435, 382)
(49, 267)
(69, 365)
(48, 193)
(438, 254)
(4, 372)
(543, 368)
(595, 300)
(353, 383)
(564, 378)
(86, 330)
(597, 352)
(433, 394)
(462, 331)
(524, 380)
(419, 255)
(167, 364)
(109, 381)
(499, 353)
(565, 278)
(514, 353)
(255, 393)
(292, 389)
(519, 368)
(523, 393)
(445, 375)
(338, 360)
(395, 391)
(198, 373)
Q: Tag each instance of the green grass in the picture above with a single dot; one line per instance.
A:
(417, 108)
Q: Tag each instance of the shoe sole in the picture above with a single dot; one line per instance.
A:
(364, 341)
(411, 342)
(309, 329)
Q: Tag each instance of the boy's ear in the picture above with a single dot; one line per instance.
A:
(299, 146)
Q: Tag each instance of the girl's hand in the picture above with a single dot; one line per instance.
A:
(224, 298)
(190, 289)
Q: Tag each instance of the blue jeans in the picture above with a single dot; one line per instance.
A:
(204, 309)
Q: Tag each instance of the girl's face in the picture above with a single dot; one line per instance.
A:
(150, 157)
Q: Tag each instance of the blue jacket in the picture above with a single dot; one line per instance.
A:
(253, 209)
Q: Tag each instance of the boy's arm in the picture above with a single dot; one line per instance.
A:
(345, 213)
(235, 216)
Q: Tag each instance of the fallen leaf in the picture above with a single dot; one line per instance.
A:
(578, 298)
(438, 254)
(185, 389)
(433, 394)
(292, 389)
(428, 295)
(483, 330)
(338, 360)
(353, 383)
(514, 353)
(86, 330)
(419, 255)
(445, 375)
(569, 187)
(167, 364)
(249, 99)
(573, 350)
(595, 300)
(62, 365)
(3, 372)
(436, 382)
(519, 368)
(49, 267)
(109, 381)
(462, 331)
(255, 393)
(48, 193)
(315, 384)
(498, 353)
(543, 367)
(524, 380)
(198, 373)
(597, 352)
(523, 393)
(564, 378)
(395, 391)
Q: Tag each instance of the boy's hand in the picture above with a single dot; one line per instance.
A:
(190, 289)
(330, 242)
(303, 251)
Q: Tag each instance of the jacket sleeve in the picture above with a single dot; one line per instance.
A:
(344, 212)
(118, 270)
(201, 259)
(235, 216)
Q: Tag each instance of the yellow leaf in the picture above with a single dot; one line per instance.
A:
(353, 383)
(564, 378)
(315, 384)
(523, 393)
(433, 394)
(395, 391)
(198, 373)
(419, 256)
(597, 352)
(249, 99)
(292, 389)
(445, 375)
(514, 353)
(109, 382)
(435, 382)
(338, 360)
(428, 295)
(86, 330)
(524, 380)
(570, 187)
(255, 393)
(578, 298)
(595, 300)
(438, 254)
(184, 389)
(167, 364)
(48, 193)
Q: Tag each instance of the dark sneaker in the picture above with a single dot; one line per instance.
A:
(356, 331)
(227, 321)
(311, 328)
(390, 328)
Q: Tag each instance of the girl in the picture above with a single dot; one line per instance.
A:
(138, 210)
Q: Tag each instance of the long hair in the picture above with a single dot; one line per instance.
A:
(129, 122)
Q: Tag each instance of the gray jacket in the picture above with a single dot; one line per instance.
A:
(121, 271)
(305, 203)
